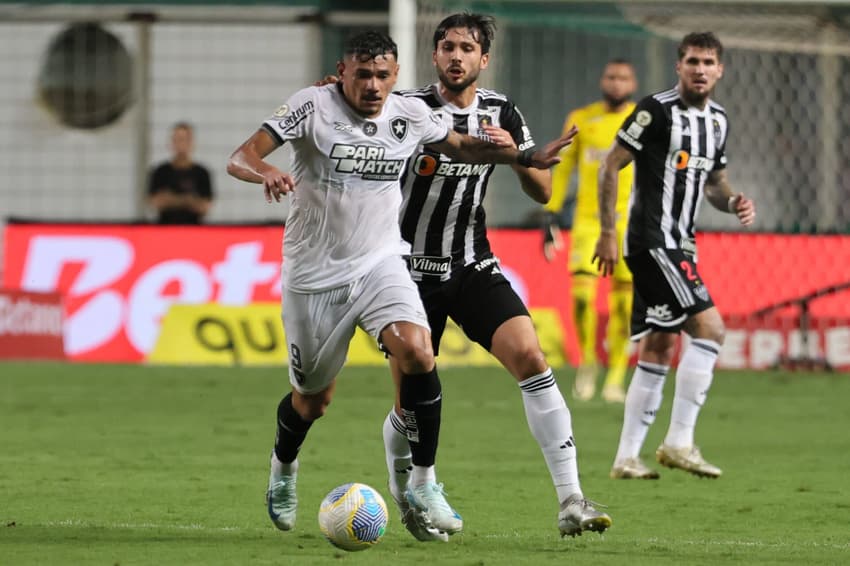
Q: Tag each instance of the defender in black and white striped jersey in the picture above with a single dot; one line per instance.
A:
(458, 276)
(677, 139)
(442, 214)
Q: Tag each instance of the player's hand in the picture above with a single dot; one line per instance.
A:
(498, 136)
(743, 208)
(549, 155)
(276, 184)
(552, 241)
(327, 80)
(605, 254)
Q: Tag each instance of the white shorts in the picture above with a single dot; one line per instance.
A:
(319, 326)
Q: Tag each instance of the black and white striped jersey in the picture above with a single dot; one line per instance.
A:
(442, 213)
(675, 146)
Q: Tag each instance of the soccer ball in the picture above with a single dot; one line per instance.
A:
(353, 516)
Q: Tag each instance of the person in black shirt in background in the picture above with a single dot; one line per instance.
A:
(180, 189)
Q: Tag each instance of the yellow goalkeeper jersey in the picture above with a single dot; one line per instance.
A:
(597, 128)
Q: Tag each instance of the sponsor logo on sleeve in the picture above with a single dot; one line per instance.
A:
(296, 116)
(629, 140)
(643, 118)
(634, 130)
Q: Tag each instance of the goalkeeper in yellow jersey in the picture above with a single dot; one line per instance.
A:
(597, 127)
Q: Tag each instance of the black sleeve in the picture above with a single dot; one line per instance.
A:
(512, 121)
(158, 180)
(205, 189)
(642, 126)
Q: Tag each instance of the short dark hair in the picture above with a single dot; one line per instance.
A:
(370, 44)
(183, 126)
(619, 61)
(483, 28)
(701, 40)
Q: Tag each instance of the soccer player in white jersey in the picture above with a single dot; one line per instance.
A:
(342, 252)
(677, 139)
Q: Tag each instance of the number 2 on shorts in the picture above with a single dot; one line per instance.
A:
(689, 270)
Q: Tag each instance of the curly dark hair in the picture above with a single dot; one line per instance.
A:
(370, 44)
(701, 40)
(482, 27)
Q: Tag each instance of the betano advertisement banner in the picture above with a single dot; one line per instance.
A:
(119, 282)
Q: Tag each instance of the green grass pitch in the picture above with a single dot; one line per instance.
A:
(124, 465)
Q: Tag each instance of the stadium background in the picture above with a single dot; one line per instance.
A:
(135, 463)
(83, 122)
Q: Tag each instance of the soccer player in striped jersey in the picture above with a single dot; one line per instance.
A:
(597, 127)
(677, 140)
(458, 276)
(343, 250)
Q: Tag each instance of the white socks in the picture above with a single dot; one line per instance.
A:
(397, 452)
(281, 469)
(399, 460)
(642, 402)
(551, 425)
(693, 379)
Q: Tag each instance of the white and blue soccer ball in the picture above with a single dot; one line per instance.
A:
(353, 516)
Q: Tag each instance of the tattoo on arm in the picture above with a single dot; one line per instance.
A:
(609, 174)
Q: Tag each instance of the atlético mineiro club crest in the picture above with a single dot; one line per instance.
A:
(398, 128)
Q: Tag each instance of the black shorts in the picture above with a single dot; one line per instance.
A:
(478, 298)
(667, 290)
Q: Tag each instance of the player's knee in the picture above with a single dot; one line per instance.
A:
(658, 347)
(718, 332)
(315, 410)
(707, 325)
(417, 358)
(529, 360)
(312, 407)
(415, 355)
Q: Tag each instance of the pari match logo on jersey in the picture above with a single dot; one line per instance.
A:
(368, 161)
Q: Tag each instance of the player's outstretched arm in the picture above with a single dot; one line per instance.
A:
(247, 164)
(474, 150)
(536, 183)
(721, 196)
(605, 254)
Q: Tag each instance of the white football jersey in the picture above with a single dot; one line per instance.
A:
(343, 214)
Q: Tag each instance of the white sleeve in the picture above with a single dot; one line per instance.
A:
(293, 119)
(430, 127)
